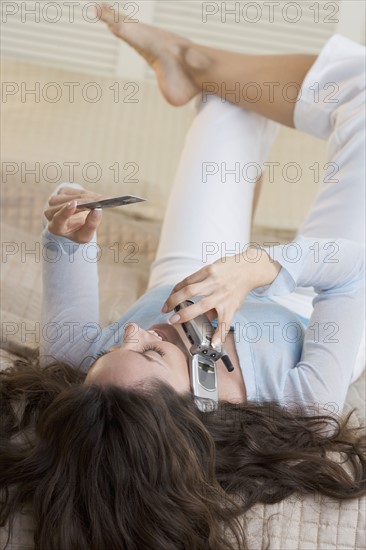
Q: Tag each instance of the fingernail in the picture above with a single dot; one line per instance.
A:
(164, 309)
(71, 205)
(174, 318)
(95, 211)
(216, 343)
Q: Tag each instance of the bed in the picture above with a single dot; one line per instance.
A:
(306, 523)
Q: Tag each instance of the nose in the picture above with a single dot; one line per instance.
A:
(130, 335)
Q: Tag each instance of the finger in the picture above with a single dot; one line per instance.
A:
(61, 198)
(52, 210)
(58, 201)
(92, 221)
(202, 288)
(211, 314)
(75, 223)
(188, 313)
(221, 332)
(59, 220)
(70, 191)
(196, 277)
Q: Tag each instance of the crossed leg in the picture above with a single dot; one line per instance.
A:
(229, 134)
(339, 207)
(225, 134)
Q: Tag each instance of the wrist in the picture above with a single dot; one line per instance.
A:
(263, 268)
(65, 245)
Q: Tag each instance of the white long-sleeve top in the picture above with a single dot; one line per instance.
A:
(282, 356)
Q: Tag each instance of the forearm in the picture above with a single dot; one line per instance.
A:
(266, 84)
(70, 301)
(330, 347)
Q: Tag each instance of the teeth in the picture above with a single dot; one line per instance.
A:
(155, 334)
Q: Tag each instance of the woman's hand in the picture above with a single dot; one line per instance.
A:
(67, 220)
(224, 285)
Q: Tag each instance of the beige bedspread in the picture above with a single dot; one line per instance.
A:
(311, 523)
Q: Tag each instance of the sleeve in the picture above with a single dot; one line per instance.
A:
(319, 263)
(70, 328)
(336, 270)
(314, 114)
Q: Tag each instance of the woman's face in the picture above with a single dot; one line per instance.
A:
(134, 362)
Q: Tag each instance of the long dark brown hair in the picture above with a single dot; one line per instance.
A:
(117, 469)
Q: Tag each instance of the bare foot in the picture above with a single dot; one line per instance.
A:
(174, 59)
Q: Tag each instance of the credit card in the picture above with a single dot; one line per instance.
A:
(110, 203)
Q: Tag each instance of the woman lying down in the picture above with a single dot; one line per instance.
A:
(105, 439)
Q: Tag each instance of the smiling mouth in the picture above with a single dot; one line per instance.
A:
(161, 334)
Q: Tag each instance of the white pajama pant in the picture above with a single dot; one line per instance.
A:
(208, 217)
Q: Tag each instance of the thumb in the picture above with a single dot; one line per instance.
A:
(220, 333)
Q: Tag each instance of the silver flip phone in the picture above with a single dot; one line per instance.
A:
(199, 332)
(204, 382)
(203, 359)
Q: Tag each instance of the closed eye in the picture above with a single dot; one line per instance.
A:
(143, 352)
(153, 348)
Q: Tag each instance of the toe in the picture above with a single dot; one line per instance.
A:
(106, 13)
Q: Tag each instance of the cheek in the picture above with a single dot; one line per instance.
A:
(178, 366)
(184, 372)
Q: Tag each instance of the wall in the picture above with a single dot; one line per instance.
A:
(129, 127)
